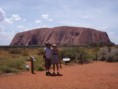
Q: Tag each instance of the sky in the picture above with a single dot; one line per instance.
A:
(22, 15)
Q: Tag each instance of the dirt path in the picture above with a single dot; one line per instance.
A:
(97, 75)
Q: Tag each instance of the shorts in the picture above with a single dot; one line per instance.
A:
(55, 59)
(47, 62)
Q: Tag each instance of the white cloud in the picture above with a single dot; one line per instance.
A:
(44, 26)
(8, 21)
(38, 21)
(12, 19)
(2, 15)
(19, 26)
(7, 35)
(46, 17)
(50, 19)
(15, 17)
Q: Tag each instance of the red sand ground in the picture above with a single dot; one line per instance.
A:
(96, 75)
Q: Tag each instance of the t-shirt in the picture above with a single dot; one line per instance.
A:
(54, 52)
(48, 52)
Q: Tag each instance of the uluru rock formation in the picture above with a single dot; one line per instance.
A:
(61, 35)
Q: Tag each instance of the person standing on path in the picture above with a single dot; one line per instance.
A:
(47, 56)
(55, 59)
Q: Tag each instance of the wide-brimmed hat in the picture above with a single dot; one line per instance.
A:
(47, 44)
(54, 45)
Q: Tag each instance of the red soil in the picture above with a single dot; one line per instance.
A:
(96, 75)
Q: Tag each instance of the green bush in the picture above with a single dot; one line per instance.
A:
(7, 69)
(11, 65)
(40, 68)
(74, 54)
(68, 52)
(39, 63)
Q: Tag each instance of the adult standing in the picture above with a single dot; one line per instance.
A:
(55, 59)
(47, 56)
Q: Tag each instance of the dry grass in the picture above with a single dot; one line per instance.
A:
(18, 54)
(14, 59)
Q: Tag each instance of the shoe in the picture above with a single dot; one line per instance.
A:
(49, 73)
(46, 74)
(58, 74)
(53, 74)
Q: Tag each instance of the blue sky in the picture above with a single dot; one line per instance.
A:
(21, 15)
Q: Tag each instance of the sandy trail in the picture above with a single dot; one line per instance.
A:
(96, 75)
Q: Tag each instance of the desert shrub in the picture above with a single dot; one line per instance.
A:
(15, 51)
(102, 53)
(96, 49)
(25, 52)
(40, 68)
(26, 58)
(114, 55)
(14, 56)
(68, 52)
(115, 58)
(102, 58)
(89, 57)
(17, 63)
(11, 65)
(83, 57)
(95, 53)
(108, 55)
(40, 51)
(39, 63)
(6, 69)
(109, 59)
(75, 54)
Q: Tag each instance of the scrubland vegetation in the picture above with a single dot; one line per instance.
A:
(13, 60)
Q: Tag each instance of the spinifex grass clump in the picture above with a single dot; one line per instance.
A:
(15, 51)
(8, 65)
(39, 63)
(13, 60)
(40, 51)
(25, 52)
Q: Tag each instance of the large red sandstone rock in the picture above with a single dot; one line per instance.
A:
(61, 35)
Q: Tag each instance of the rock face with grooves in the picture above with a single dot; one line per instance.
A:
(63, 35)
